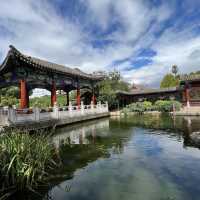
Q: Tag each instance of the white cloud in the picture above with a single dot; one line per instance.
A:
(38, 29)
(172, 48)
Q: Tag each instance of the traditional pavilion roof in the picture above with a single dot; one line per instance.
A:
(190, 78)
(15, 55)
(148, 91)
(138, 87)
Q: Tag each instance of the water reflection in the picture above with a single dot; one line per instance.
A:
(79, 134)
(117, 158)
(192, 131)
(176, 126)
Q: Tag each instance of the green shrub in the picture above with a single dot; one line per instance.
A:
(8, 101)
(160, 105)
(163, 106)
(167, 106)
(41, 102)
(45, 101)
(24, 161)
(147, 106)
(125, 111)
(140, 107)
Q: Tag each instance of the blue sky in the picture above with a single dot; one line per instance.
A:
(141, 38)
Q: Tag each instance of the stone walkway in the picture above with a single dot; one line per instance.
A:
(191, 111)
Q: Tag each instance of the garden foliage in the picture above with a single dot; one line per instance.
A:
(160, 105)
(109, 86)
(24, 161)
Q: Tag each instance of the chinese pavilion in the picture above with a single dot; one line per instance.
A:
(187, 92)
(29, 73)
(190, 85)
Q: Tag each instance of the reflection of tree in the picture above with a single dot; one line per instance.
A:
(74, 156)
(110, 142)
(104, 140)
(161, 122)
(179, 127)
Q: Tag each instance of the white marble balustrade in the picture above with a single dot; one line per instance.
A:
(17, 116)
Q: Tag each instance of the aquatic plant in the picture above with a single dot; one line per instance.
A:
(24, 161)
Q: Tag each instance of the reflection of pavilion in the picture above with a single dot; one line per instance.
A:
(79, 135)
(29, 73)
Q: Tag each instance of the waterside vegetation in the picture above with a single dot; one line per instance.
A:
(146, 106)
(25, 162)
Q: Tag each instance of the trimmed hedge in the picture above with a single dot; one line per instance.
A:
(160, 105)
(167, 106)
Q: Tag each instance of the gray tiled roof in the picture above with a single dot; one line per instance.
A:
(46, 65)
(192, 77)
(149, 91)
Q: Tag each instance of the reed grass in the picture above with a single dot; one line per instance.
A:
(25, 161)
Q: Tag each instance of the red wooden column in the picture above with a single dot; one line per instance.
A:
(53, 94)
(24, 98)
(93, 97)
(78, 97)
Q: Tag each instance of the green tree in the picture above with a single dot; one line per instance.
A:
(169, 81)
(11, 91)
(10, 95)
(195, 73)
(109, 86)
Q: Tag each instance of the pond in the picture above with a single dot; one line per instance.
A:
(139, 157)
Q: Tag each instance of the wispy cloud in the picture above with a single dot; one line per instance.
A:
(95, 35)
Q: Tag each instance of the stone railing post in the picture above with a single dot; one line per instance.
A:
(55, 112)
(36, 112)
(12, 115)
(82, 108)
(92, 106)
(99, 106)
(107, 106)
(70, 108)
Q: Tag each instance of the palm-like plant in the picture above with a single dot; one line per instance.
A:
(175, 69)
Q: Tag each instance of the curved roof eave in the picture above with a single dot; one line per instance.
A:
(49, 66)
(5, 61)
(150, 91)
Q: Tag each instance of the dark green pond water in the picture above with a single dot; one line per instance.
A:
(133, 158)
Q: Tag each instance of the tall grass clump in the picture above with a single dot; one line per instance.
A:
(25, 161)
